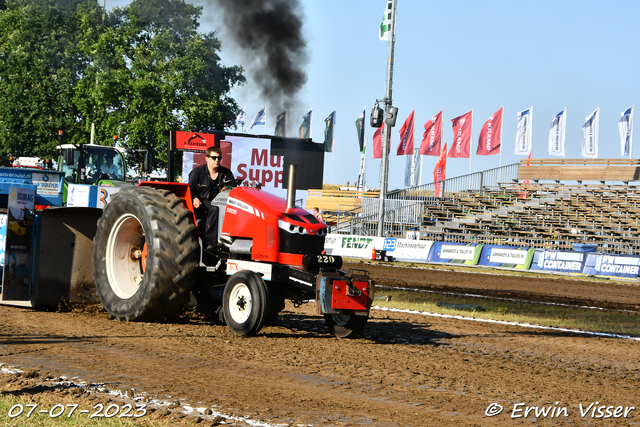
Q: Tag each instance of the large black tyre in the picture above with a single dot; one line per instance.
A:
(345, 325)
(143, 225)
(245, 303)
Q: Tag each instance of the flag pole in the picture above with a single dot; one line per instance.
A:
(531, 131)
(470, 142)
(311, 125)
(500, 158)
(386, 133)
(631, 134)
(333, 148)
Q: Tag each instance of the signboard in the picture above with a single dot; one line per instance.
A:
(78, 195)
(16, 272)
(105, 193)
(408, 249)
(612, 265)
(455, 253)
(568, 262)
(352, 246)
(507, 256)
(249, 159)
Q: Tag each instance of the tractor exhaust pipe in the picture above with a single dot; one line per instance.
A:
(291, 186)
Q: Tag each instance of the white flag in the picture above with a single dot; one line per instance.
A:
(260, 118)
(590, 130)
(625, 126)
(556, 134)
(412, 170)
(385, 26)
(241, 115)
(523, 133)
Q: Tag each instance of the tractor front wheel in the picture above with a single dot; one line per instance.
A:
(245, 303)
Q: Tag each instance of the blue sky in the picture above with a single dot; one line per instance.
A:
(458, 56)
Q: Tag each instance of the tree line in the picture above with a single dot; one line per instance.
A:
(134, 71)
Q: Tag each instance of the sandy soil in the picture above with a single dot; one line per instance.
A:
(406, 370)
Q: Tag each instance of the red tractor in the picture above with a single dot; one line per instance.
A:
(147, 260)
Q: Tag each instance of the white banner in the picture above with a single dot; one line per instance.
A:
(508, 256)
(590, 131)
(460, 252)
(251, 160)
(625, 126)
(412, 171)
(523, 133)
(557, 133)
(352, 246)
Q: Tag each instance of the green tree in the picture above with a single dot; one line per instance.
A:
(136, 72)
(39, 69)
(154, 72)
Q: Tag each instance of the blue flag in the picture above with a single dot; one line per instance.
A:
(260, 118)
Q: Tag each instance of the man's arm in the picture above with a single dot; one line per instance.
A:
(193, 185)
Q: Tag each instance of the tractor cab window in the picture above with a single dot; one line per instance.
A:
(106, 164)
(71, 171)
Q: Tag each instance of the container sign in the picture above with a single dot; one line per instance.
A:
(612, 265)
(568, 262)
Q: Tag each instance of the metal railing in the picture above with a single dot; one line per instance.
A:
(406, 215)
(471, 182)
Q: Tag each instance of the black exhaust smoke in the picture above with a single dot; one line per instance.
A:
(269, 32)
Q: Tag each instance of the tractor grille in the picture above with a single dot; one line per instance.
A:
(293, 243)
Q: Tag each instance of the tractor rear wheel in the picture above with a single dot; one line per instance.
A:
(245, 303)
(345, 325)
(145, 253)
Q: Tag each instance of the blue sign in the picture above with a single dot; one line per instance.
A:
(389, 245)
(612, 265)
(565, 261)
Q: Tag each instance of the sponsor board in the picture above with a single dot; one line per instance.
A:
(47, 183)
(408, 249)
(507, 256)
(3, 235)
(105, 193)
(567, 262)
(78, 195)
(352, 246)
(612, 265)
(456, 253)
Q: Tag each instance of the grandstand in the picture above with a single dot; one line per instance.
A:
(564, 203)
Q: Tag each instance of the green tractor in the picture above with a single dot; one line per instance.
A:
(91, 164)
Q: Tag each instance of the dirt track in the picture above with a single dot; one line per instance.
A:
(406, 370)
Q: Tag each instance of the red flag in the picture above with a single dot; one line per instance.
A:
(439, 171)
(489, 140)
(432, 136)
(461, 146)
(377, 143)
(406, 137)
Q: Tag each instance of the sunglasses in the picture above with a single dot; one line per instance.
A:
(215, 157)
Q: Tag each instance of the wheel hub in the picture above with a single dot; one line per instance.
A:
(240, 303)
(124, 256)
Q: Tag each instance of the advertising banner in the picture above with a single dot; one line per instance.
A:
(612, 265)
(455, 253)
(3, 235)
(352, 246)
(568, 262)
(408, 249)
(507, 256)
(16, 272)
(105, 193)
(248, 159)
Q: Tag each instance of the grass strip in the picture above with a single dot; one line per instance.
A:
(614, 322)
